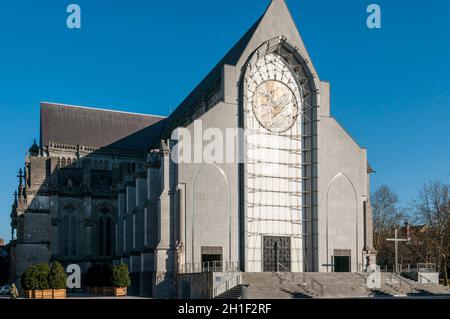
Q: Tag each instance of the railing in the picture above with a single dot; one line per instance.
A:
(210, 266)
(421, 278)
(227, 285)
(423, 267)
(402, 283)
(313, 285)
(287, 274)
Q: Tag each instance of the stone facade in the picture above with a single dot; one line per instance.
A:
(137, 206)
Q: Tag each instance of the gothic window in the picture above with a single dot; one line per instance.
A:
(69, 232)
(104, 232)
(69, 161)
(63, 162)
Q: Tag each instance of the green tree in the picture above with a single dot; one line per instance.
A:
(57, 277)
(121, 276)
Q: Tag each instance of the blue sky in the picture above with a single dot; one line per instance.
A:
(390, 87)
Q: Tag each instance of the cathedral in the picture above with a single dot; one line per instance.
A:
(102, 186)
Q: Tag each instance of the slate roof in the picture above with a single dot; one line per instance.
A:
(74, 125)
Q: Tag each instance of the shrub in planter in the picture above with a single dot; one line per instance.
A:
(57, 279)
(42, 273)
(121, 279)
(30, 281)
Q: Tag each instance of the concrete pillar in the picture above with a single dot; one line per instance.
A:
(165, 252)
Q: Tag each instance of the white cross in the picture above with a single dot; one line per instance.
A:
(396, 240)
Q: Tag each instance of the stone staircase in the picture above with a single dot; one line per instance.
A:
(329, 285)
(300, 286)
(275, 286)
(343, 285)
(233, 293)
(393, 285)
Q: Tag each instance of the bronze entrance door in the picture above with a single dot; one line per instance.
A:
(276, 254)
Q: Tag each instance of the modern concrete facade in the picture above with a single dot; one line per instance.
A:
(297, 201)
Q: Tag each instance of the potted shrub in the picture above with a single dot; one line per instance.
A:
(30, 281)
(57, 280)
(42, 273)
(121, 279)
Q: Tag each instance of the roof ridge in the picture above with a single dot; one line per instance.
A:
(99, 109)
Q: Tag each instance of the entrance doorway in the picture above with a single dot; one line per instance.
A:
(277, 254)
(342, 264)
(212, 259)
(342, 260)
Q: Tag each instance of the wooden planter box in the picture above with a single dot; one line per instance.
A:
(59, 294)
(120, 292)
(38, 294)
(28, 294)
(47, 294)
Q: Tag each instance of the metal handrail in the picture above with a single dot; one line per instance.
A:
(404, 281)
(426, 267)
(212, 266)
(420, 277)
(313, 285)
(227, 285)
(282, 266)
(286, 273)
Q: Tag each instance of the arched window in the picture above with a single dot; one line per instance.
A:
(104, 232)
(69, 161)
(69, 232)
(63, 162)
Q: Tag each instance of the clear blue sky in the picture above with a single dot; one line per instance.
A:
(390, 87)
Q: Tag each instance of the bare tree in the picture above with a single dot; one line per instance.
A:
(386, 217)
(432, 210)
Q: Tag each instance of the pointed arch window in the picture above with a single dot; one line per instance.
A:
(104, 232)
(69, 232)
